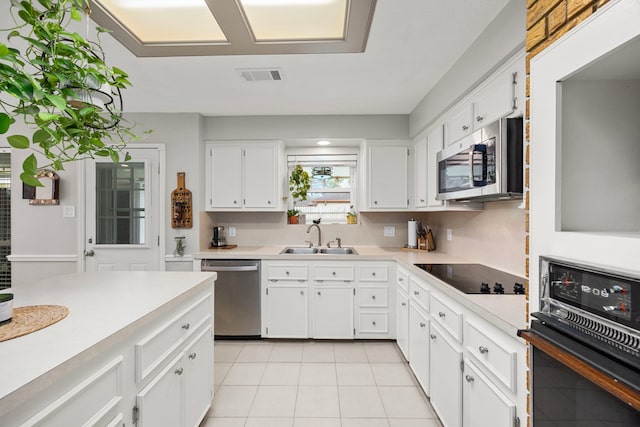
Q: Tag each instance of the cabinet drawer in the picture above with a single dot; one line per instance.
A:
(419, 294)
(160, 344)
(378, 273)
(373, 323)
(88, 403)
(287, 272)
(447, 316)
(373, 297)
(334, 273)
(402, 279)
(496, 358)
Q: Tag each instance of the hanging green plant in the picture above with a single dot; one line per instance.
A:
(60, 86)
(299, 183)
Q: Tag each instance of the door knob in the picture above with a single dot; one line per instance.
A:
(89, 253)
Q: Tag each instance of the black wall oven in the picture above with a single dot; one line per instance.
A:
(585, 342)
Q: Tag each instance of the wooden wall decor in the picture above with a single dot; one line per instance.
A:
(181, 212)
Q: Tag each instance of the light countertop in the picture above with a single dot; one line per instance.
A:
(507, 312)
(100, 304)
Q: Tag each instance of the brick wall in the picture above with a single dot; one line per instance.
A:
(547, 21)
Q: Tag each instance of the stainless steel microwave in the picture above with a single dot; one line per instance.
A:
(485, 165)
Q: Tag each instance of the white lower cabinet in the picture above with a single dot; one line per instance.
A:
(445, 377)
(287, 312)
(152, 401)
(332, 312)
(419, 346)
(483, 403)
(402, 324)
(327, 299)
(180, 395)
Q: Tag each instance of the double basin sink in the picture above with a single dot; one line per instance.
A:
(311, 251)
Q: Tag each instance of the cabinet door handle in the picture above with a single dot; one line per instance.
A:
(479, 119)
(404, 304)
(469, 378)
(433, 336)
(268, 202)
(483, 350)
(465, 127)
(319, 293)
(301, 292)
(373, 274)
(422, 324)
(375, 202)
(333, 273)
(373, 323)
(400, 279)
(178, 371)
(286, 273)
(441, 314)
(416, 293)
(373, 297)
(235, 202)
(186, 326)
(193, 355)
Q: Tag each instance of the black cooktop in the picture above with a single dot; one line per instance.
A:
(476, 278)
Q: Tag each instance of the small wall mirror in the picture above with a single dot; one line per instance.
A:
(48, 194)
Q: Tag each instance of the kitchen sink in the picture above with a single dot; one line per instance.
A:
(299, 251)
(310, 251)
(338, 251)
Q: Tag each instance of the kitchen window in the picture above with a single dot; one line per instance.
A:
(332, 192)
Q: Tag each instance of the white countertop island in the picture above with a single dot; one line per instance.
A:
(103, 307)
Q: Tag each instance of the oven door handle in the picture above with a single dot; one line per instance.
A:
(478, 180)
(238, 268)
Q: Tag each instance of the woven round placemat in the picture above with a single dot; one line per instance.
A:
(25, 320)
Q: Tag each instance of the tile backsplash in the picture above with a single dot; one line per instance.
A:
(494, 236)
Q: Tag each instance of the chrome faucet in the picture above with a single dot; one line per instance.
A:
(319, 233)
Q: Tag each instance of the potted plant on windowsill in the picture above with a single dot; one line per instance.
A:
(292, 215)
(352, 217)
(299, 184)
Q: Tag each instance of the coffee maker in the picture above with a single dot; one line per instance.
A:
(219, 237)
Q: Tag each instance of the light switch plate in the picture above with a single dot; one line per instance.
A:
(449, 234)
(68, 211)
(232, 232)
(389, 231)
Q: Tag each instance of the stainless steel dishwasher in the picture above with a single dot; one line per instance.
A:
(237, 297)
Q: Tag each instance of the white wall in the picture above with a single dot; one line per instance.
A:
(503, 37)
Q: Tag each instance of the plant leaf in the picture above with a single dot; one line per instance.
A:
(47, 117)
(30, 164)
(59, 102)
(5, 122)
(40, 136)
(18, 141)
(75, 14)
(115, 156)
(4, 50)
(31, 180)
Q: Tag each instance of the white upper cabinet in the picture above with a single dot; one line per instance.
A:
(420, 172)
(435, 142)
(387, 176)
(460, 124)
(498, 96)
(496, 100)
(244, 176)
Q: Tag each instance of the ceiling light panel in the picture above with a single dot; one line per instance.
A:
(164, 21)
(280, 20)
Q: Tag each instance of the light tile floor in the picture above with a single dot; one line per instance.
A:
(315, 384)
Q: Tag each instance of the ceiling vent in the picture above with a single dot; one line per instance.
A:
(260, 74)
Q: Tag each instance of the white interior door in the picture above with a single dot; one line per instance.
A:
(122, 207)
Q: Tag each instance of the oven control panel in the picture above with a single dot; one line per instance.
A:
(609, 295)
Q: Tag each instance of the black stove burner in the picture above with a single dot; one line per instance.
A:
(476, 278)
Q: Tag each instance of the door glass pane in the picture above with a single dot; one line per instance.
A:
(5, 219)
(120, 203)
